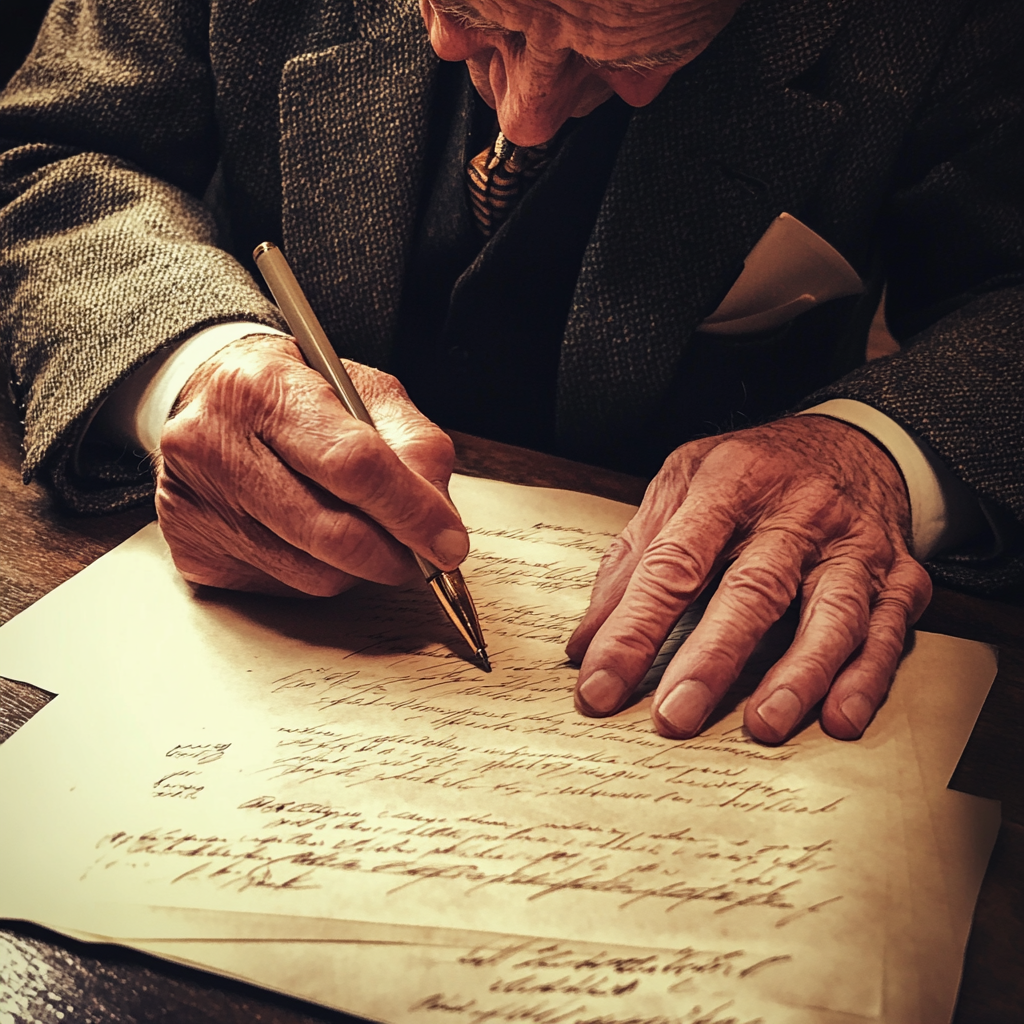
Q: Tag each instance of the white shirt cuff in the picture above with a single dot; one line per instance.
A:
(135, 413)
(943, 511)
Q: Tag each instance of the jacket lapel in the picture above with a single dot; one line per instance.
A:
(701, 174)
(353, 133)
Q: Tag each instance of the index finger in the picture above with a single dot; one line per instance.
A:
(311, 431)
(661, 501)
(670, 574)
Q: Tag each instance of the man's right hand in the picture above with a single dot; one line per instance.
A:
(266, 483)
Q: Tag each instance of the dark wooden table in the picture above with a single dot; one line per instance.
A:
(46, 979)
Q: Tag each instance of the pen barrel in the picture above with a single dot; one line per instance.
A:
(306, 328)
(453, 595)
(449, 587)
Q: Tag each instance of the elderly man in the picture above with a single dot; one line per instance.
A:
(545, 240)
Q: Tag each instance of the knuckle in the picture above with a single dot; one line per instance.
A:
(341, 535)
(679, 461)
(670, 569)
(890, 637)
(181, 519)
(847, 574)
(442, 447)
(374, 383)
(684, 461)
(415, 514)
(204, 577)
(764, 581)
(359, 461)
(207, 567)
(179, 439)
(869, 542)
(888, 626)
(920, 586)
(910, 585)
(637, 644)
(712, 661)
(430, 453)
(389, 382)
(847, 604)
(881, 654)
(249, 370)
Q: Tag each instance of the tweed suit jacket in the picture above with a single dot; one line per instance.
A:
(145, 148)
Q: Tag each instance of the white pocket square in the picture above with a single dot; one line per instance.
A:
(790, 270)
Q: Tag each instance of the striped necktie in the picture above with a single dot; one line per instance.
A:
(499, 176)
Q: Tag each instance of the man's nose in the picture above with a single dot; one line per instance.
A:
(536, 91)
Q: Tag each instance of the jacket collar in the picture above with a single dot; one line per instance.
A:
(353, 135)
(702, 172)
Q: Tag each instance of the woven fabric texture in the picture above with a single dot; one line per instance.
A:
(145, 148)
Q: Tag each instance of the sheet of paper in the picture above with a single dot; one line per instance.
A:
(498, 978)
(510, 980)
(333, 759)
(393, 973)
(324, 956)
(964, 826)
(922, 957)
(354, 966)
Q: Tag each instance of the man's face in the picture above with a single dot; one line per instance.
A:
(540, 62)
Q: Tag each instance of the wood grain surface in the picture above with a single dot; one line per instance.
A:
(46, 979)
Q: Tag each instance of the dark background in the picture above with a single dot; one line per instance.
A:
(18, 27)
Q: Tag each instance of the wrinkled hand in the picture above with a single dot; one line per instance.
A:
(804, 506)
(266, 483)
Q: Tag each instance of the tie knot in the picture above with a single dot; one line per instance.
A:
(499, 176)
(502, 148)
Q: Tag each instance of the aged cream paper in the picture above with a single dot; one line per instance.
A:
(923, 954)
(424, 975)
(334, 760)
(509, 980)
(421, 975)
(961, 829)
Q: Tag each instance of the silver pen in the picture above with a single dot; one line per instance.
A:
(449, 587)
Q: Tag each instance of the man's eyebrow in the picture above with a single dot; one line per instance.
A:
(645, 62)
(470, 18)
(465, 15)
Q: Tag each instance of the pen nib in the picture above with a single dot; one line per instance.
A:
(482, 658)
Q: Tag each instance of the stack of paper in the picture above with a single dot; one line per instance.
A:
(323, 799)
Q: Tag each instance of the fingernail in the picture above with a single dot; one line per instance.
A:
(685, 707)
(450, 547)
(781, 711)
(857, 710)
(601, 693)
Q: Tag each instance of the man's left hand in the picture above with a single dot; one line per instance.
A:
(805, 506)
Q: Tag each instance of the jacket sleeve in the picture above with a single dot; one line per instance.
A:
(108, 140)
(953, 239)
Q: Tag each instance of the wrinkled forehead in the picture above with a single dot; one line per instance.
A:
(604, 29)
